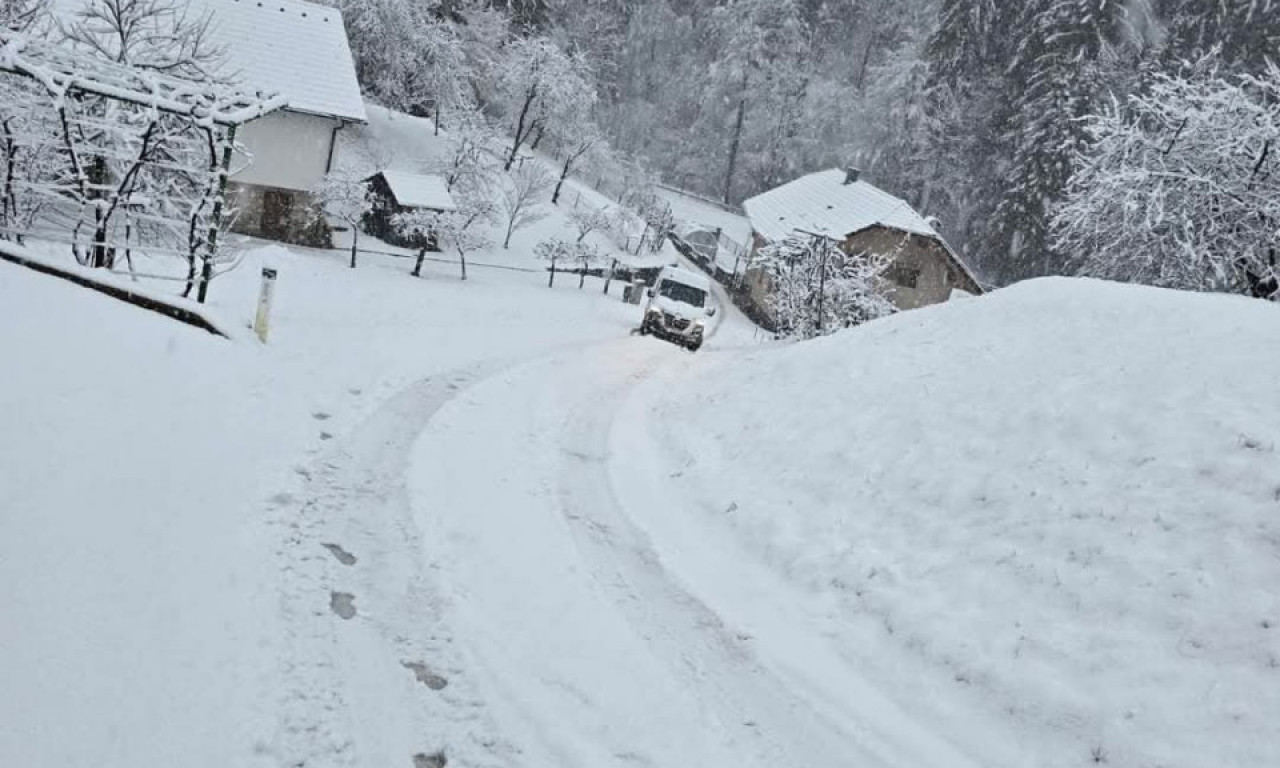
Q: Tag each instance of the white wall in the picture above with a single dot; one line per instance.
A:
(288, 150)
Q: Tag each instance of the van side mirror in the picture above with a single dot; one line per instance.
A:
(711, 311)
(649, 292)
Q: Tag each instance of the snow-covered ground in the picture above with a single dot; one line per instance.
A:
(1047, 521)
(150, 484)
(482, 519)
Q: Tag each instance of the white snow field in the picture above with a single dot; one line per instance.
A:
(483, 521)
(166, 601)
(480, 521)
(1046, 521)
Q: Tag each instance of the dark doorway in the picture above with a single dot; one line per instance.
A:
(276, 204)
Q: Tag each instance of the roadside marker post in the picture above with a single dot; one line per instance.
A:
(262, 322)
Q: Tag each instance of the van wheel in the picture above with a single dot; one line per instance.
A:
(644, 328)
(694, 347)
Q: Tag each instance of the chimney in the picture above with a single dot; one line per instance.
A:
(851, 174)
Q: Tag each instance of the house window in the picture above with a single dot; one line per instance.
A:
(900, 274)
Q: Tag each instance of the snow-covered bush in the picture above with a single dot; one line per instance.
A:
(819, 289)
(1179, 187)
(419, 228)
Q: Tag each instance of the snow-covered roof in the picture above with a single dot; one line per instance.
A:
(698, 213)
(296, 49)
(823, 204)
(691, 279)
(414, 190)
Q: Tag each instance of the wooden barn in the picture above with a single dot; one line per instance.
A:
(397, 192)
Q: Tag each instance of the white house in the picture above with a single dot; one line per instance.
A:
(300, 51)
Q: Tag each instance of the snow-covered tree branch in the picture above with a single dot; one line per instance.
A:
(343, 196)
(523, 196)
(819, 289)
(1179, 187)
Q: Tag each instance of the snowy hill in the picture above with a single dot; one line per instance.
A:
(1049, 517)
(401, 142)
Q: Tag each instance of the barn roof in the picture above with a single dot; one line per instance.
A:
(414, 190)
(296, 49)
(823, 204)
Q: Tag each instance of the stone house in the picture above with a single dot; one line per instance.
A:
(837, 203)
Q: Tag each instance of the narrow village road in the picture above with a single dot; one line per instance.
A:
(491, 571)
(537, 502)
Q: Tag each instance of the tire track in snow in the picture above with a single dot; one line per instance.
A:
(590, 653)
(350, 690)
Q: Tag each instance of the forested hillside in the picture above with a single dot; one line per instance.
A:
(973, 110)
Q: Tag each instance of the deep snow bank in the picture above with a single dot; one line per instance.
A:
(1062, 499)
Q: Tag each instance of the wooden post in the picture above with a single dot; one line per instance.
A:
(609, 279)
(215, 223)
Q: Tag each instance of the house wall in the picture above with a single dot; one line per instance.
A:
(272, 213)
(286, 154)
(289, 150)
(923, 258)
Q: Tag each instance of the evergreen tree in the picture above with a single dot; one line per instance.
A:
(1055, 76)
(1246, 32)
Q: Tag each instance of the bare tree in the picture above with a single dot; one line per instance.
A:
(554, 251)
(522, 198)
(468, 164)
(578, 136)
(587, 220)
(343, 196)
(543, 89)
(154, 35)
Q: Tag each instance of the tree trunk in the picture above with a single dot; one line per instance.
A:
(582, 278)
(551, 281)
(355, 239)
(417, 267)
(735, 142)
(462, 258)
(511, 226)
(564, 174)
(521, 132)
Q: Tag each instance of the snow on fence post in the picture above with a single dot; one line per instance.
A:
(609, 279)
(262, 321)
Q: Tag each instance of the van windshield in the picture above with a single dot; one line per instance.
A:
(685, 294)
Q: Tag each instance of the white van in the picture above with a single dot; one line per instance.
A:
(678, 307)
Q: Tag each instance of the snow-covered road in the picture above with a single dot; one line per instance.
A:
(512, 541)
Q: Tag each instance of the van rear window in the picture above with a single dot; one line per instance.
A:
(685, 294)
